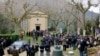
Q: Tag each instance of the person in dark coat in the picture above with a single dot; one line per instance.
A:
(74, 41)
(36, 35)
(47, 49)
(33, 34)
(1, 50)
(42, 50)
(52, 40)
(28, 49)
(32, 51)
(36, 47)
(69, 41)
(81, 47)
(43, 41)
(4, 42)
(9, 41)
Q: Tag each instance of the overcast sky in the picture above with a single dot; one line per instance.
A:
(94, 9)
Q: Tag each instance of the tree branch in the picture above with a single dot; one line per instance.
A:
(25, 6)
(74, 16)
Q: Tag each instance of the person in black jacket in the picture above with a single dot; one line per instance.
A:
(32, 51)
(36, 49)
(47, 49)
(28, 49)
(42, 50)
(82, 46)
(1, 50)
(74, 41)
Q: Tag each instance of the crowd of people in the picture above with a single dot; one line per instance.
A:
(68, 41)
(4, 42)
(48, 40)
(33, 50)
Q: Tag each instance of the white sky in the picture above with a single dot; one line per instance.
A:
(94, 9)
(2, 0)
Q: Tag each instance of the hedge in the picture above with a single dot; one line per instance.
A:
(14, 37)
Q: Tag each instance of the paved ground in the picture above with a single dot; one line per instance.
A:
(24, 53)
(38, 54)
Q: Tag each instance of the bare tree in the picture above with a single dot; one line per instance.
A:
(80, 7)
(71, 16)
(10, 13)
(54, 15)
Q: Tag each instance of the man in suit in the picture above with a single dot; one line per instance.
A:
(1, 50)
(32, 51)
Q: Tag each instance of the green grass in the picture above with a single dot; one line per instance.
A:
(28, 37)
(39, 40)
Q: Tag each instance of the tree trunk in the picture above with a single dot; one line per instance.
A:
(84, 32)
(17, 28)
(56, 24)
(78, 31)
(67, 26)
(67, 29)
(84, 26)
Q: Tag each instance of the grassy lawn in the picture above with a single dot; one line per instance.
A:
(39, 40)
(28, 37)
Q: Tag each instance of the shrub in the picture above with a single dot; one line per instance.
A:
(14, 37)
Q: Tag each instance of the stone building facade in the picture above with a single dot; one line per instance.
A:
(37, 21)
